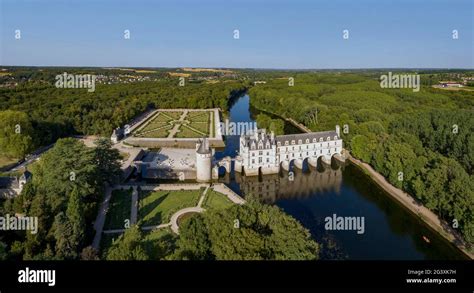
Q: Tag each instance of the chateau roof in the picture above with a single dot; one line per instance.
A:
(250, 138)
(303, 136)
(26, 175)
(204, 147)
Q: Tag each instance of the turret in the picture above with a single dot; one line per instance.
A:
(203, 161)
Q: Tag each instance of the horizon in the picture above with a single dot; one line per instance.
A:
(281, 35)
(239, 68)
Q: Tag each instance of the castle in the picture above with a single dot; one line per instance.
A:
(265, 153)
(260, 153)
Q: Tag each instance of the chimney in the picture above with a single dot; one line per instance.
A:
(338, 130)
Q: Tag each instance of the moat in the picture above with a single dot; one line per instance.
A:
(391, 232)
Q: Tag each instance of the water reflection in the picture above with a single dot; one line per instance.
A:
(300, 185)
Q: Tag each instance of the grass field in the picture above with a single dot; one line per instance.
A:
(119, 209)
(157, 207)
(216, 200)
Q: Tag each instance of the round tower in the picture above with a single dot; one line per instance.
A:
(203, 161)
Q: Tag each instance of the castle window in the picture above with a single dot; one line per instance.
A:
(278, 143)
(314, 140)
(328, 138)
(335, 137)
(253, 161)
(292, 142)
(300, 141)
(320, 139)
(260, 153)
(268, 160)
(307, 140)
(286, 142)
(268, 153)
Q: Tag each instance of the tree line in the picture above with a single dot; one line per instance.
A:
(421, 142)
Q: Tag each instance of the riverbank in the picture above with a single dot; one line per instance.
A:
(423, 213)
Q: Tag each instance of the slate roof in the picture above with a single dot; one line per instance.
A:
(303, 136)
(204, 147)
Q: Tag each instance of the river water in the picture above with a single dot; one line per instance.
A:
(390, 231)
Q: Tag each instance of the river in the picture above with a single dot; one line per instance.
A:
(390, 231)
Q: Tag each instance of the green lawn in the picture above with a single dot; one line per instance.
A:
(198, 116)
(119, 209)
(158, 133)
(200, 126)
(216, 200)
(186, 132)
(162, 117)
(152, 125)
(157, 207)
(6, 161)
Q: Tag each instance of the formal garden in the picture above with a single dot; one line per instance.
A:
(173, 124)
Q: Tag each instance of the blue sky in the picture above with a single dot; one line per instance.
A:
(273, 34)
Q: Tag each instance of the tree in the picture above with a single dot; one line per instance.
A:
(3, 251)
(107, 159)
(89, 253)
(65, 239)
(360, 148)
(261, 232)
(129, 246)
(15, 134)
(194, 242)
(75, 215)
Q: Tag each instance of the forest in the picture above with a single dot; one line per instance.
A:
(46, 113)
(421, 142)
